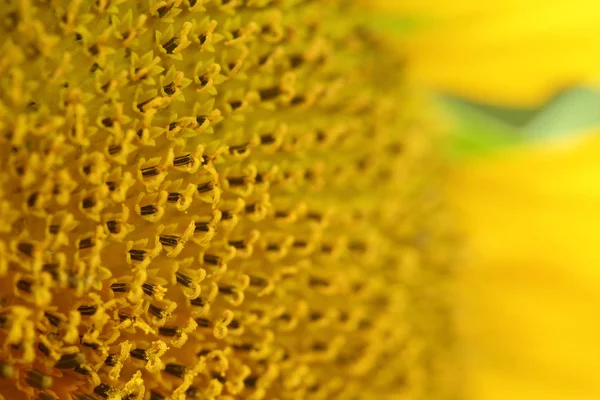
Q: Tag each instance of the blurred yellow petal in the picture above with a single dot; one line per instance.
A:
(530, 295)
(504, 52)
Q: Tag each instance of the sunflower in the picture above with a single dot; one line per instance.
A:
(217, 199)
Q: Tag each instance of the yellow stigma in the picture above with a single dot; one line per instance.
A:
(216, 199)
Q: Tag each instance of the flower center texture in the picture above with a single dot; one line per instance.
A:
(218, 199)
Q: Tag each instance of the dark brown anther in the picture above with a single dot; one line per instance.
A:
(148, 288)
(87, 169)
(26, 248)
(313, 388)
(111, 360)
(202, 353)
(234, 324)
(150, 171)
(114, 149)
(171, 45)
(24, 285)
(269, 93)
(226, 215)
(148, 210)
(319, 346)
(267, 139)
(192, 393)
(315, 316)
(236, 181)
(297, 100)
(38, 380)
(357, 246)
(177, 370)
(119, 287)
(250, 208)
(94, 49)
(212, 259)
(320, 136)
(88, 202)
(105, 86)
(299, 243)
(205, 187)
(113, 226)
(137, 255)
(139, 133)
(141, 105)
(285, 317)
(43, 349)
(235, 104)
(156, 311)
(238, 244)
(86, 243)
(184, 280)
(282, 214)
(169, 331)
(273, 247)
(250, 381)
(317, 282)
(170, 88)
(82, 396)
(54, 229)
(183, 160)
(103, 390)
(201, 227)
(44, 396)
(200, 119)
(107, 122)
(244, 347)
(93, 346)
(173, 125)
(112, 185)
(87, 310)
(198, 302)
(162, 11)
(125, 317)
(94, 68)
(82, 370)
(258, 281)
(203, 322)
(140, 354)
(174, 197)
(220, 378)
(168, 240)
(326, 248)
(156, 396)
(53, 319)
(296, 60)
(314, 216)
(202, 37)
(227, 289)
(204, 79)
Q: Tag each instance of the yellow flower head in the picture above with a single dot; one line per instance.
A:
(215, 199)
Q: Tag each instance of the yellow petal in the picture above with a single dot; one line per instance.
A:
(505, 52)
(530, 295)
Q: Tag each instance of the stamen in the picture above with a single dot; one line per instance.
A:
(176, 370)
(38, 380)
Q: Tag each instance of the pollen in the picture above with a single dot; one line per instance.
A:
(216, 199)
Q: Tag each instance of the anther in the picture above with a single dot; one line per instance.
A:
(111, 360)
(119, 287)
(156, 311)
(148, 210)
(86, 243)
(43, 349)
(24, 285)
(141, 105)
(114, 149)
(174, 197)
(70, 361)
(235, 104)
(203, 322)
(87, 310)
(149, 288)
(168, 240)
(38, 380)
(171, 45)
(156, 396)
(267, 139)
(82, 370)
(270, 93)
(103, 390)
(137, 255)
(205, 187)
(53, 319)
(25, 248)
(201, 227)
(108, 122)
(238, 244)
(169, 331)
(250, 381)
(140, 354)
(170, 88)
(198, 302)
(200, 119)
(212, 259)
(227, 289)
(88, 202)
(176, 370)
(184, 280)
(111, 185)
(183, 160)
(113, 226)
(54, 229)
(164, 10)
